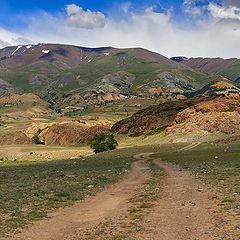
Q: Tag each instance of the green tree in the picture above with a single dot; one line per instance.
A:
(103, 142)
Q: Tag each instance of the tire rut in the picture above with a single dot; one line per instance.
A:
(66, 222)
(184, 211)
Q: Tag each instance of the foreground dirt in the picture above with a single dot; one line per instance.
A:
(71, 221)
(185, 210)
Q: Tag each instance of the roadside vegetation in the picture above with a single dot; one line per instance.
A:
(29, 191)
(218, 165)
(103, 143)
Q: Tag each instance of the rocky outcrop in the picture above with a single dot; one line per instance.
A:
(191, 115)
(15, 138)
(70, 134)
(154, 117)
(220, 88)
(218, 115)
(17, 98)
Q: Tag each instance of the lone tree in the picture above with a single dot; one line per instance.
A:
(103, 142)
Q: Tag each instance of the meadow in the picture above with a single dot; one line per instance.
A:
(31, 190)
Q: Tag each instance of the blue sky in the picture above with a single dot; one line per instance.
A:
(170, 27)
(11, 9)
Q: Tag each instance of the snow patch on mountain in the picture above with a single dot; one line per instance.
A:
(45, 51)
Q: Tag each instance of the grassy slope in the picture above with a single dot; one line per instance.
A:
(230, 71)
(97, 68)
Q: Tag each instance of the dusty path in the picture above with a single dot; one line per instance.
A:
(184, 212)
(67, 221)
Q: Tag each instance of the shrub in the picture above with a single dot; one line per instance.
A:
(137, 134)
(103, 142)
(36, 138)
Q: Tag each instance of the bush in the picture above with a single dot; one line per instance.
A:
(36, 138)
(103, 142)
(137, 134)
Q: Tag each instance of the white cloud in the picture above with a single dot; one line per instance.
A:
(234, 3)
(79, 18)
(126, 7)
(222, 12)
(149, 29)
(9, 38)
(195, 8)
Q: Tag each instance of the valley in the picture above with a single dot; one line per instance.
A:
(176, 166)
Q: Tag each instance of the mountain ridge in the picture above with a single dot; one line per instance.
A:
(228, 68)
(61, 73)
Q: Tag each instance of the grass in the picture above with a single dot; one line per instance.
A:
(137, 134)
(29, 191)
(217, 165)
(125, 226)
(231, 109)
(156, 131)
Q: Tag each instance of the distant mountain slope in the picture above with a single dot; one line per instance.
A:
(229, 68)
(66, 75)
(219, 88)
(67, 56)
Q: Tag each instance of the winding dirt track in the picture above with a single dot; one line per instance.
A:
(184, 211)
(108, 203)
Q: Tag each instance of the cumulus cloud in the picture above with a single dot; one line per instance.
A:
(79, 18)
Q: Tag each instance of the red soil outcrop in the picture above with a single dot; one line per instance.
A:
(12, 138)
(154, 117)
(218, 115)
(71, 135)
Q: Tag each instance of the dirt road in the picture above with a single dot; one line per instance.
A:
(112, 201)
(185, 210)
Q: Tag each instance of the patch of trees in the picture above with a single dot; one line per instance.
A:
(103, 142)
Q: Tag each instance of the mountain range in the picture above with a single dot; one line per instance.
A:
(66, 75)
(228, 68)
(60, 90)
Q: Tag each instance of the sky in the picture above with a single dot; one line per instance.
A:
(192, 28)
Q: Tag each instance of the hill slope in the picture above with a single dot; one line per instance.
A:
(69, 75)
(229, 68)
(174, 117)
